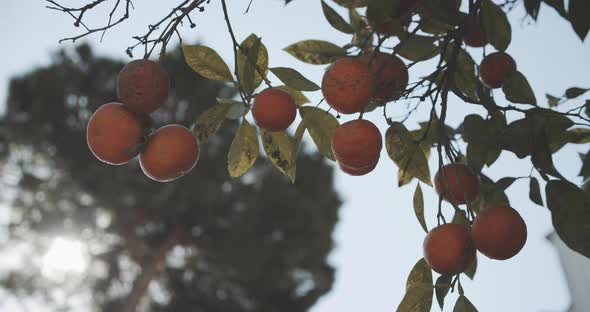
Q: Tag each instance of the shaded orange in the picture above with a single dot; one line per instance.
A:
(274, 109)
(357, 144)
(495, 68)
(113, 133)
(448, 248)
(499, 232)
(348, 85)
(143, 85)
(171, 152)
(457, 183)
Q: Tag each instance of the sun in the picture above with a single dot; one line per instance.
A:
(64, 257)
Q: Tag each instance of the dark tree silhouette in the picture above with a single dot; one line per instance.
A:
(209, 242)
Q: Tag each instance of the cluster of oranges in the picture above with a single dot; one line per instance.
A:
(498, 232)
(119, 131)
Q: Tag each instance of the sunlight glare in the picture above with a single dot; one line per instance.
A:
(64, 257)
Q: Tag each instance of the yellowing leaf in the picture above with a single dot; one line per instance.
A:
(316, 51)
(335, 19)
(406, 153)
(281, 151)
(243, 150)
(209, 121)
(298, 97)
(419, 207)
(321, 126)
(294, 79)
(206, 62)
(252, 60)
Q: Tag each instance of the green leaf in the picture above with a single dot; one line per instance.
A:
(417, 299)
(472, 269)
(352, 3)
(465, 79)
(441, 289)
(406, 153)
(585, 170)
(252, 60)
(532, 7)
(210, 121)
(579, 13)
(298, 97)
(419, 289)
(243, 150)
(558, 6)
(207, 63)
(321, 126)
(464, 305)
(495, 24)
(535, 192)
(336, 20)
(552, 100)
(574, 92)
(421, 274)
(281, 151)
(505, 182)
(237, 109)
(490, 194)
(417, 48)
(570, 212)
(517, 89)
(294, 79)
(419, 207)
(316, 51)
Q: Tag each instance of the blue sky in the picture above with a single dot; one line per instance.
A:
(378, 239)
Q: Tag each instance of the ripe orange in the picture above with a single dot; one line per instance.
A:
(448, 248)
(390, 75)
(274, 109)
(348, 85)
(358, 171)
(113, 133)
(143, 85)
(473, 35)
(457, 183)
(357, 144)
(170, 153)
(495, 68)
(499, 232)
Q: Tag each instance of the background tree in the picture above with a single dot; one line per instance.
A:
(257, 243)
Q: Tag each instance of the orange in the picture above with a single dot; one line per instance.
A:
(357, 144)
(274, 109)
(143, 85)
(170, 153)
(448, 248)
(348, 85)
(358, 171)
(495, 68)
(113, 133)
(499, 232)
(473, 35)
(390, 75)
(457, 183)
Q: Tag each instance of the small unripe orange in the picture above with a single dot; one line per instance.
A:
(495, 68)
(358, 171)
(170, 153)
(143, 85)
(473, 35)
(357, 144)
(348, 85)
(457, 183)
(274, 109)
(113, 133)
(499, 232)
(448, 248)
(390, 75)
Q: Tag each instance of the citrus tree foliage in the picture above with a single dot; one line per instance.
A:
(429, 32)
(230, 250)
